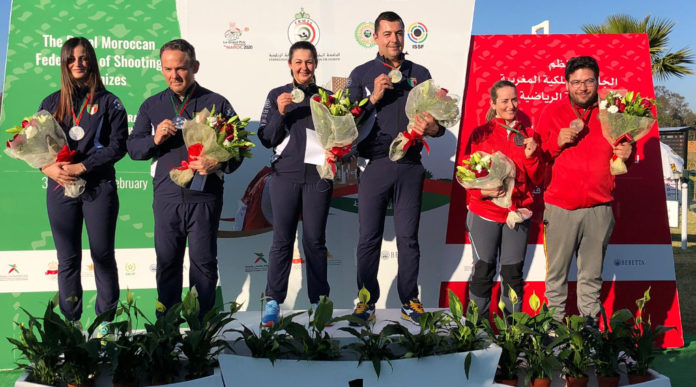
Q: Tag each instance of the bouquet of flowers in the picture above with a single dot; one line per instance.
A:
(624, 118)
(215, 137)
(40, 141)
(334, 120)
(486, 171)
(425, 98)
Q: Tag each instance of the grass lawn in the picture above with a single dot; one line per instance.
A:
(685, 267)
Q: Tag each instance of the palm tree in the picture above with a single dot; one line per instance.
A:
(664, 63)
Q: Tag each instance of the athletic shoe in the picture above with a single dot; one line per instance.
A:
(364, 311)
(101, 331)
(412, 311)
(270, 314)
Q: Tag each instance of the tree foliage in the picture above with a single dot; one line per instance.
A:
(673, 109)
(664, 62)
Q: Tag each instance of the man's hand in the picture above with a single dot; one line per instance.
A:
(56, 172)
(491, 193)
(530, 146)
(382, 83)
(283, 101)
(623, 150)
(566, 136)
(204, 166)
(425, 125)
(74, 169)
(164, 130)
(330, 156)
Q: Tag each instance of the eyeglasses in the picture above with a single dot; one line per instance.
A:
(587, 82)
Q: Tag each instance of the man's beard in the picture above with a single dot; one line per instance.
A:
(584, 105)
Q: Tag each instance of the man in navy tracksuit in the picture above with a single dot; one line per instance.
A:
(181, 212)
(383, 179)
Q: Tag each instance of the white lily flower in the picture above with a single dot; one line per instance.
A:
(603, 104)
(613, 109)
(30, 132)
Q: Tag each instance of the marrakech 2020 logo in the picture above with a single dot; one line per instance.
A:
(303, 29)
(233, 38)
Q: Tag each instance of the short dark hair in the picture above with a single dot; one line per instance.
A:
(388, 16)
(581, 62)
(180, 45)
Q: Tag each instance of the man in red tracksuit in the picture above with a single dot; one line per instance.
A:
(578, 217)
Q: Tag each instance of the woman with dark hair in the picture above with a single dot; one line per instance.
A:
(96, 127)
(295, 186)
(489, 235)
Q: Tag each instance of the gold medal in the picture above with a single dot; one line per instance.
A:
(395, 76)
(577, 125)
(297, 95)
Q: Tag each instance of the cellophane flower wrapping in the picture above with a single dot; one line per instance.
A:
(197, 131)
(38, 143)
(426, 97)
(617, 125)
(501, 172)
(332, 131)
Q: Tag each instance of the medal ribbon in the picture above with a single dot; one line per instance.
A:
(77, 119)
(184, 102)
(510, 129)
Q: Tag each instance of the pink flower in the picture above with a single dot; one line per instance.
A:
(356, 111)
(622, 107)
(25, 123)
(317, 98)
(617, 101)
(646, 103)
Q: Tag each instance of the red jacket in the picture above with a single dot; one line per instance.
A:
(579, 173)
(491, 138)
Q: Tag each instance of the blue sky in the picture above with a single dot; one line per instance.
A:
(517, 17)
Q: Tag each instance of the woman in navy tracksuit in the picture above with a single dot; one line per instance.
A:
(95, 124)
(295, 187)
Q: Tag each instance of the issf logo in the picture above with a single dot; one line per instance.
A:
(364, 34)
(417, 32)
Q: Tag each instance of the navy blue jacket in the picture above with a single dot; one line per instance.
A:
(391, 114)
(106, 130)
(273, 128)
(169, 154)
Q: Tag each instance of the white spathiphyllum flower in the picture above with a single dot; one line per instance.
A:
(30, 132)
(212, 121)
(613, 109)
(226, 143)
(603, 104)
(478, 168)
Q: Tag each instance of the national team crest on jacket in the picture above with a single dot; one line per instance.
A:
(118, 105)
(412, 82)
(92, 109)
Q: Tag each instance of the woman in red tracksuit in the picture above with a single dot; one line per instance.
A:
(489, 235)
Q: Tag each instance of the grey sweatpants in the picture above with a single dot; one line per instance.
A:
(585, 232)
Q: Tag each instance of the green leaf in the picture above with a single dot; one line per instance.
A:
(455, 305)
(467, 364)
(364, 295)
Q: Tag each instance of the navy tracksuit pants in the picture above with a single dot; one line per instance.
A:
(98, 206)
(381, 181)
(288, 200)
(174, 223)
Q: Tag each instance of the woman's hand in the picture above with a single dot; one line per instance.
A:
(74, 169)
(283, 101)
(56, 172)
(491, 193)
(530, 146)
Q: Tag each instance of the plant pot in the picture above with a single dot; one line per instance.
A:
(508, 382)
(607, 381)
(545, 382)
(635, 379)
(576, 382)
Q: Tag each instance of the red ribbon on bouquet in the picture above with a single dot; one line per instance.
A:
(412, 138)
(194, 151)
(624, 138)
(338, 151)
(65, 155)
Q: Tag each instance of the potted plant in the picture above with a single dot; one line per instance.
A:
(609, 345)
(39, 346)
(575, 353)
(160, 345)
(315, 343)
(642, 338)
(512, 335)
(540, 348)
(81, 353)
(124, 347)
(202, 342)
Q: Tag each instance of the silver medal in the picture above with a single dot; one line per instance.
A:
(395, 76)
(518, 139)
(297, 95)
(76, 133)
(179, 122)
